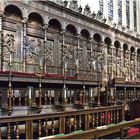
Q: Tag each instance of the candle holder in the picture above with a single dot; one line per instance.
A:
(91, 97)
(10, 82)
(98, 102)
(64, 95)
(40, 75)
(77, 66)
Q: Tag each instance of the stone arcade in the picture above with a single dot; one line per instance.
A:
(63, 71)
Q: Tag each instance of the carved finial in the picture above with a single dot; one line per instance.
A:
(65, 3)
(80, 9)
(99, 15)
(60, 2)
(73, 5)
(87, 10)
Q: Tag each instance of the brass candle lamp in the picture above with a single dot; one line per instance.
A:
(10, 82)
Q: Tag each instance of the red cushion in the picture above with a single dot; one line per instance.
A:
(133, 131)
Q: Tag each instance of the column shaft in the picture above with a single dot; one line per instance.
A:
(1, 42)
(24, 44)
(115, 11)
(124, 22)
(137, 13)
(136, 64)
(105, 9)
(131, 15)
(45, 49)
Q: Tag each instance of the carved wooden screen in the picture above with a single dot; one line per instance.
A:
(34, 53)
(50, 60)
(12, 44)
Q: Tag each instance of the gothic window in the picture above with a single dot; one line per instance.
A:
(135, 15)
(127, 13)
(101, 5)
(120, 11)
(110, 9)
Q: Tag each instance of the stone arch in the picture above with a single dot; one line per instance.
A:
(108, 42)
(138, 55)
(85, 33)
(117, 45)
(12, 11)
(55, 24)
(125, 48)
(71, 29)
(132, 53)
(97, 38)
(35, 19)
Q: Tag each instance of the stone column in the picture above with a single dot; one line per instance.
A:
(24, 43)
(91, 50)
(105, 9)
(114, 58)
(45, 47)
(131, 15)
(136, 64)
(77, 55)
(129, 63)
(124, 22)
(1, 37)
(115, 11)
(63, 43)
(112, 69)
(138, 13)
(105, 74)
(122, 62)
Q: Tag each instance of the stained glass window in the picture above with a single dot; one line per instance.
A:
(110, 8)
(127, 13)
(135, 15)
(120, 11)
(101, 5)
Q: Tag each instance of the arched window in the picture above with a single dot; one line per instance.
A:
(117, 46)
(108, 43)
(135, 15)
(101, 5)
(97, 38)
(132, 53)
(35, 19)
(128, 13)
(85, 34)
(13, 12)
(125, 48)
(71, 29)
(110, 8)
(138, 55)
(55, 24)
(120, 11)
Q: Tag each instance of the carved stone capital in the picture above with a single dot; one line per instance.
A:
(63, 31)
(1, 14)
(78, 36)
(90, 40)
(45, 26)
(24, 20)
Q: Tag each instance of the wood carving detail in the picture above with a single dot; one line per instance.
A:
(34, 50)
(8, 46)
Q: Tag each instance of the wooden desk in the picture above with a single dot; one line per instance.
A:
(95, 133)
